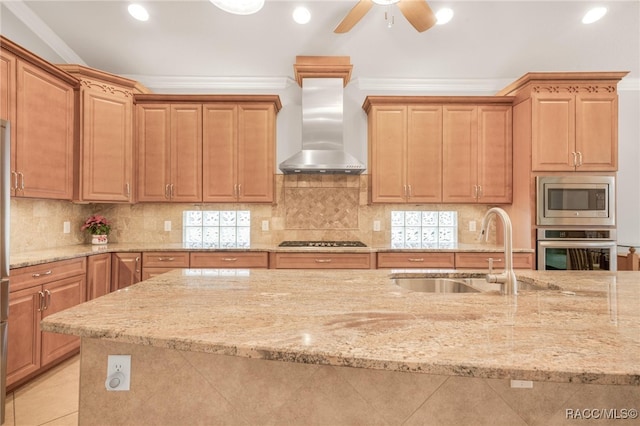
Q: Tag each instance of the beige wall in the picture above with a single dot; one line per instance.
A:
(308, 207)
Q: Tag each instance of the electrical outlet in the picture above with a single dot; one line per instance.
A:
(265, 225)
(66, 227)
(167, 225)
(118, 373)
(472, 225)
(376, 225)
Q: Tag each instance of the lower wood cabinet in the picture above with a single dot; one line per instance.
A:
(230, 259)
(319, 260)
(126, 269)
(416, 260)
(36, 292)
(481, 260)
(156, 263)
(98, 275)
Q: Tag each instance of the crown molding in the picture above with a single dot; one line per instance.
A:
(629, 85)
(43, 31)
(203, 84)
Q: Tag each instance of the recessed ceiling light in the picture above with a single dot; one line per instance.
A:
(594, 15)
(301, 15)
(138, 12)
(444, 15)
(385, 2)
(239, 7)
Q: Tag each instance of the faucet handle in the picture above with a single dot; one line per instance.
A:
(490, 260)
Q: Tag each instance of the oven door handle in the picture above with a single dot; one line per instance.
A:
(577, 244)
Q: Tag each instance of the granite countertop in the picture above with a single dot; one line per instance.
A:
(584, 327)
(19, 260)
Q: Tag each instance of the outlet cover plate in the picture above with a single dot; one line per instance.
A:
(118, 373)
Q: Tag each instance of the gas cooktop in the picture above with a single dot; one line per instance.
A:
(322, 244)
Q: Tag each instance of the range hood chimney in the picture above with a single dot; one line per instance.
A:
(322, 79)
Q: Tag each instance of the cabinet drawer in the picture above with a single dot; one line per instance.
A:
(165, 259)
(30, 276)
(481, 260)
(323, 260)
(416, 260)
(230, 260)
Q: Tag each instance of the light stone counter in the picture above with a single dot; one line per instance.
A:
(19, 260)
(584, 330)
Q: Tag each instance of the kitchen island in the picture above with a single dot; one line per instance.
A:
(345, 347)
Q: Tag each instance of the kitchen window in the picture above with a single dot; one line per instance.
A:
(424, 229)
(216, 228)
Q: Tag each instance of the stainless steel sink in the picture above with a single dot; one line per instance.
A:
(455, 285)
(435, 285)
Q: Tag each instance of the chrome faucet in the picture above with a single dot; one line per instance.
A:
(508, 277)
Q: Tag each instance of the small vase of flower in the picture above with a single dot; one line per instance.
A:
(99, 227)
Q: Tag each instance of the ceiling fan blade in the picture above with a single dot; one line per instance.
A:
(354, 15)
(418, 13)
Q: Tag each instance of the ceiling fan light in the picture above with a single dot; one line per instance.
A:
(594, 15)
(444, 15)
(138, 12)
(385, 2)
(239, 7)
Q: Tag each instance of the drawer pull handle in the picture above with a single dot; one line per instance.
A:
(416, 259)
(229, 259)
(166, 259)
(49, 272)
(323, 260)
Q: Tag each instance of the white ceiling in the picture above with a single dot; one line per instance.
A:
(187, 43)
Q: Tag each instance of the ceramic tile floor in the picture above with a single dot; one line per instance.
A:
(51, 399)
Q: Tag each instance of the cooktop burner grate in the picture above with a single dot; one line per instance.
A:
(322, 244)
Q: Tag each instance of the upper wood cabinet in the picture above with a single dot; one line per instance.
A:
(42, 97)
(227, 155)
(405, 160)
(573, 120)
(477, 146)
(105, 146)
(169, 152)
(239, 152)
(439, 149)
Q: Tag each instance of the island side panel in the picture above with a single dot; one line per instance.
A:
(180, 387)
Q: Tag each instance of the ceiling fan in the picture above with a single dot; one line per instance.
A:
(417, 12)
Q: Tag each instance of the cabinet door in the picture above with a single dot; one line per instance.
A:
(219, 136)
(553, 132)
(107, 146)
(61, 295)
(186, 153)
(23, 348)
(44, 150)
(98, 275)
(126, 270)
(154, 152)
(494, 154)
(460, 153)
(256, 153)
(424, 154)
(388, 152)
(597, 131)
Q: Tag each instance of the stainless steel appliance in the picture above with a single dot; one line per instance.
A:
(577, 249)
(5, 146)
(322, 244)
(576, 200)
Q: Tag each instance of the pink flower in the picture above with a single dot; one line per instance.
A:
(97, 225)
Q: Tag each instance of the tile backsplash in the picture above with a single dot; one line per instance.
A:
(307, 207)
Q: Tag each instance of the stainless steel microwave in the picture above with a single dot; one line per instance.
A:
(576, 200)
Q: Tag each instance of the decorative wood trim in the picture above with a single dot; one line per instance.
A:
(106, 88)
(582, 79)
(370, 101)
(232, 99)
(322, 67)
(572, 88)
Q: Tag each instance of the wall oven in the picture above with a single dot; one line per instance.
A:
(577, 249)
(587, 201)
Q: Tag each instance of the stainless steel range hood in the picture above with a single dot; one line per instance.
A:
(322, 130)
